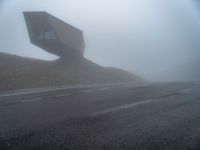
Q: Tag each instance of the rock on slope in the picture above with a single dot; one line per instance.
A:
(20, 73)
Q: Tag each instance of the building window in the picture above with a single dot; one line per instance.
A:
(47, 35)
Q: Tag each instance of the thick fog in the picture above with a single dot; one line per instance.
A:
(141, 36)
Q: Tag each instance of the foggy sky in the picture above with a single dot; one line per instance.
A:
(142, 36)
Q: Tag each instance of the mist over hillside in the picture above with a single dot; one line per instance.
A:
(143, 37)
(188, 72)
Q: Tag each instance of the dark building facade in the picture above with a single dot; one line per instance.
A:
(54, 35)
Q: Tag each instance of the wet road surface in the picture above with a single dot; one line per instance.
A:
(117, 117)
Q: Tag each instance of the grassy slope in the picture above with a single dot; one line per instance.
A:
(19, 73)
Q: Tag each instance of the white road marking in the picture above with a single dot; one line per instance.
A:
(48, 89)
(19, 93)
(190, 90)
(126, 107)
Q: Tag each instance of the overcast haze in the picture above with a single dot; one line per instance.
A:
(142, 36)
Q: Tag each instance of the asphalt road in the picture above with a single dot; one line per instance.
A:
(117, 117)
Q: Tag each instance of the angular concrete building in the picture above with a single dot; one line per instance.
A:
(54, 35)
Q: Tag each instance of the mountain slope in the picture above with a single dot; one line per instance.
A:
(20, 73)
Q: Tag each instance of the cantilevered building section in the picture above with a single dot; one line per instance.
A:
(54, 35)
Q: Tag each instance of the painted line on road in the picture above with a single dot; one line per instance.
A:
(190, 91)
(41, 91)
(126, 107)
(48, 89)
